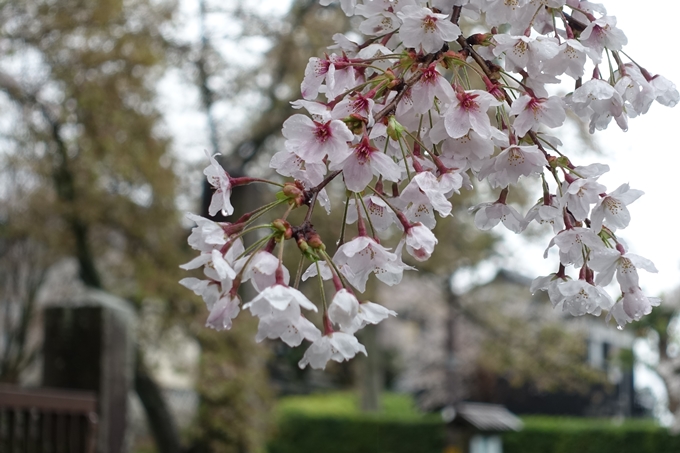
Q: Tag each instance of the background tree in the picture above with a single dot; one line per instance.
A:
(82, 140)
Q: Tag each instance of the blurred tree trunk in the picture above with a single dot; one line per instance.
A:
(371, 381)
(161, 421)
(370, 370)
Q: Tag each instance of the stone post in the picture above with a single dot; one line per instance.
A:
(89, 346)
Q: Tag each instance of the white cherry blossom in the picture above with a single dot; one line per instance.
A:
(581, 297)
(422, 28)
(488, 215)
(362, 256)
(368, 313)
(636, 92)
(221, 182)
(570, 60)
(432, 84)
(312, 140)
(632, 307)
(608, 261)
(426, 188)
(547, 214)
(420, 241)
(612, 208)
(399, 111)
(337, 346)
(223, 311)
(580, 194)
(290, 326)
(333, 70)
(261, 270)
(358, 105)
(571, 243)
(380, 24)
(206, 235)
(636, 304)
(381, 215)
(222, 261)
(666, 93)
(512, 163)
(278, 297)
(602, 33)
(287, 163)
(531, 112)
(599, 102)
(550, 283)
(471, 146)
(524, 52)
(364, 162)
(346, 5)
(499, 12)
(468, 111)
(343, 309)
(210, 290)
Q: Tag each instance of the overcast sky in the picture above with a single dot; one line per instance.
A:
(647, 156)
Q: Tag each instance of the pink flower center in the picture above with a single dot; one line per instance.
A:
(467, 101)
(321, 67)
(375, 210)
(323, 132)
(363, 152)
(515, 157)
(430, 24)
(360, 104)
(534, 104)
(429, 75)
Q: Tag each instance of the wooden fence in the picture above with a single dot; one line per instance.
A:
(47, 421)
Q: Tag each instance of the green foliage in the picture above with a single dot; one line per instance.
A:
(301, 433)
(333, 423)
(395, 406)
(583, 435)
(576, 424)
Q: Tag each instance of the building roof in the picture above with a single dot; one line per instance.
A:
(488, 417)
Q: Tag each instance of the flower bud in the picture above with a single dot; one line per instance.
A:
(394, 129)
(303, 245)
(355, 123)
(314, 240)
(283, 227)
(294, 192)
(480, 39)
(452, 58)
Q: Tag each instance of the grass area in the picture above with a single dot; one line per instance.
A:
(399, 406)
(394, 406)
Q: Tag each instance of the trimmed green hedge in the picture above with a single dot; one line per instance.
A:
(324, 434)
(574, 435)
(332, 423)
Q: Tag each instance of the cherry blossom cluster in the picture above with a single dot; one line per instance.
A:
(407, 118)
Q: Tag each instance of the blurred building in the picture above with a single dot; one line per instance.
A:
(497, 343)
